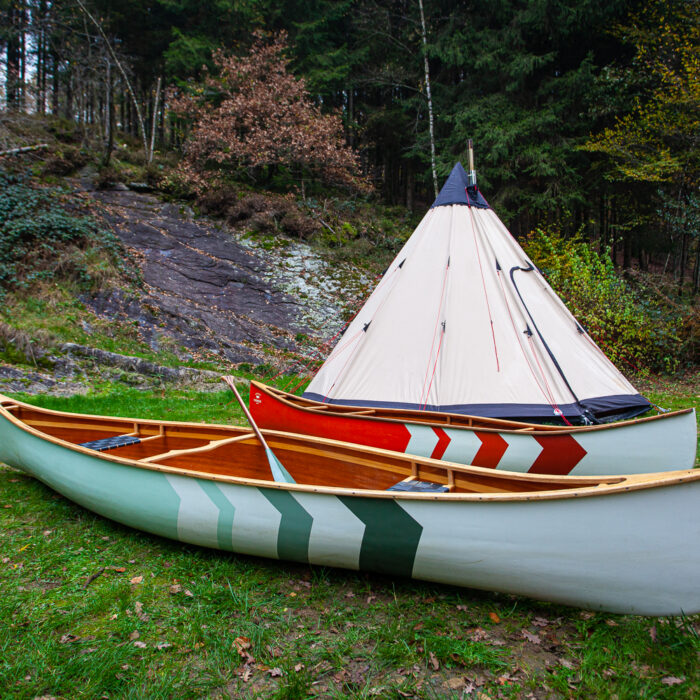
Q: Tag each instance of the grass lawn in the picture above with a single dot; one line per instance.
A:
(92, 609)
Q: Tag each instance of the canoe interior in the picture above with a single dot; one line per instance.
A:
(223, 451)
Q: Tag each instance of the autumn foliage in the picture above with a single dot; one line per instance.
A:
(254, 115)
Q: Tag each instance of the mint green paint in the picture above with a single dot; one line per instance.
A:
(137, 497)
(224, 528)
(279, 473)
(391, 536)
(295, 526)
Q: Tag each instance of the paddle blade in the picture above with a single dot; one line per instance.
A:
(279, 473)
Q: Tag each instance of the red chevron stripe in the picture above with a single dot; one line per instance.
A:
(560, 454)
(493, 447)
(442, 443)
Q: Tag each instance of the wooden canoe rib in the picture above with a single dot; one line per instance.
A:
(620, 543)
(644, 445)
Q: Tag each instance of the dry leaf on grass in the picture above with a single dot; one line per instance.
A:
(134, 635)
(163, 645)
(68, 638)
(298, 667)
(672, 680)
(275, 672)
(494, 617)
(540, 622)
(140, 645)
(137, 579)
(433, 661)
(454, 683)
(534, 638)
(176, 588)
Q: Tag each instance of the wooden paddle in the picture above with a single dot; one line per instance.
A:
(279, 473)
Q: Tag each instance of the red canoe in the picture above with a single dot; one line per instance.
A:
(652, 444)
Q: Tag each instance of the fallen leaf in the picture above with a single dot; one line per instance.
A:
(189, 594)
(418, 626)
(87, 651)
(241, 644)
(370, 599)
(566, 663)
(463, 608)
(138, 607)
(298, 667)
(114, 616)
(454, 683)
(46, 533)
(119, 569)
(140, 645)
(275, 672)
(349, 594)
(611, 623)
(494, 617)
(540, 622)
(137, 579)
(534, 638)
(247, 673)
(68, 638)
(134, 635)
(652, 633)
(672, 680)
(502, 680)
(586, 615)
(433, 661)
(163, 645)
(176, 588)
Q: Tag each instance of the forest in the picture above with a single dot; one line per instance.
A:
(585, 115)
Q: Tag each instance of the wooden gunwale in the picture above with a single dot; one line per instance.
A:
(575, 487)
(454, 420)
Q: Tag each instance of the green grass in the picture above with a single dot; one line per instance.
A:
(312, 630)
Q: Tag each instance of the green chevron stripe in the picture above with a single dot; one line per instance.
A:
(391, 535)
(224, 525)
(295, 526)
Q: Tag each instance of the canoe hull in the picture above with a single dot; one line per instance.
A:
(663, 443)
(628, 552)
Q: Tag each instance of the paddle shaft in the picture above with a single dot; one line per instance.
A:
(253, 425)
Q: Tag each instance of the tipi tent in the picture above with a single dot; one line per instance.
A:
(463, 322)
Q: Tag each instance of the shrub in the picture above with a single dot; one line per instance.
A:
(40, 240)
(633, 326)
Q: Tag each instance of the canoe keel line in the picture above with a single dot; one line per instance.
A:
(623, 544)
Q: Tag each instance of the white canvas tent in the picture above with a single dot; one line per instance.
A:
(463, 322)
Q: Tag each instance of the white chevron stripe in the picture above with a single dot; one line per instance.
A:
(197, 516)
(256, 521)
(464, 444)
(336, 533)
(423, 440)
(521, 454)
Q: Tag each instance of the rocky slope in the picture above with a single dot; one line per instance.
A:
(213, 292)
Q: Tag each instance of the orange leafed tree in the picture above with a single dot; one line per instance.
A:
(254, 114)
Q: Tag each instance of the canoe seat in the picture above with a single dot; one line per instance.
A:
(422, 486)
(111, 443)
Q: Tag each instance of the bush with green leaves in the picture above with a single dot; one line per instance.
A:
(634, 327)
(41, 240)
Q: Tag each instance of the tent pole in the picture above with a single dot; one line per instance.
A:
(472, 172)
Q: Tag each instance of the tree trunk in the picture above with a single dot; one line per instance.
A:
(429, 96)
(109, 116)
(683, 263)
